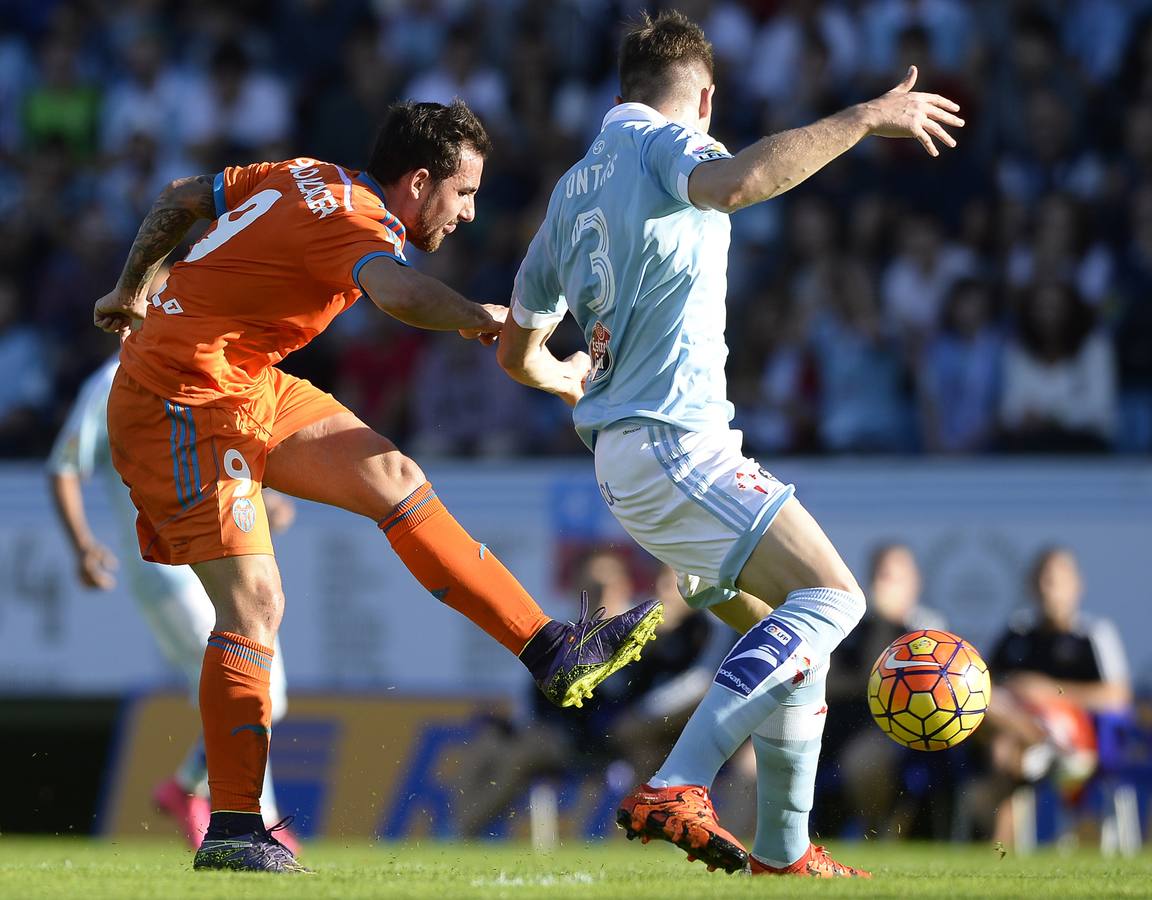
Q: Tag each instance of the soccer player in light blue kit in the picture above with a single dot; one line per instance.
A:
(170, 598)
(635, 244)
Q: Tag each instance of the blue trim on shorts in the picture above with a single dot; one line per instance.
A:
(737, 557)
(185, 463)
(715, 493)
(196, 494)
(218, 194)
(691, 483)
(176, 442)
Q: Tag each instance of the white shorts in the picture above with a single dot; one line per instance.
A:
(690, 498)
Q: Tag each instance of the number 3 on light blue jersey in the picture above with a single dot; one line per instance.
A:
(593, 220)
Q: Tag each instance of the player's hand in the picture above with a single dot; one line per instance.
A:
(904, 113)
(1032, 687)
(579, 364)
(487, 334)
(96, 565)
(115, 312)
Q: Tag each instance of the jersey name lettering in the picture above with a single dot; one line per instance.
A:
(578, 181)
(314, 190)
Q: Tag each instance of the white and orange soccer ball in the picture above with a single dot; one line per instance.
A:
(929, 690)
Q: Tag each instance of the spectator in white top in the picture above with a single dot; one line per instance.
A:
(917, 281)
(236, 110)
(1059, 248)
(147, 100)
(785, 43)
(1059, 376)
(460, 74)
(948, 22)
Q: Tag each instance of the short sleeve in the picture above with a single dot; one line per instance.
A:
(537, 298)
(337, 258)
(85, 430)
(1108, 648)
(672, 152)
(237, 182)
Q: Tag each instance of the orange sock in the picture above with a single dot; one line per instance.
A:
(460, 572)
(236, 709)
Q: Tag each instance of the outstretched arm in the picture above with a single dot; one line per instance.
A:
(424, 302)
(95, 563)
(180, 205)
(779, 162)
(523, 354)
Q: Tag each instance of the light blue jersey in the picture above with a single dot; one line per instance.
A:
(81, 449)
(643, 271)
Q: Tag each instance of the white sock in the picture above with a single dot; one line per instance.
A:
(787, 746)
(764, 667)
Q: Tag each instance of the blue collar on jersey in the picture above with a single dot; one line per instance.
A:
(633, 112)
(369, 182)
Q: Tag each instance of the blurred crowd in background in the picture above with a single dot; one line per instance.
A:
(998, 299)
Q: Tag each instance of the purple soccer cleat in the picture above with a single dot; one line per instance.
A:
(581, 654)
(255, 852)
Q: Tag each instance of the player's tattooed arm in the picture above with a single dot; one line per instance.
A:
(180, 205)
(779, 162)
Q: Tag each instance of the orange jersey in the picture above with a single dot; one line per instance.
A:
(280, 263)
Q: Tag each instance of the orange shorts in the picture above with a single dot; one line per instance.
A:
(195, 472)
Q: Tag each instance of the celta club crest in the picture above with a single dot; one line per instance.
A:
(600, 352)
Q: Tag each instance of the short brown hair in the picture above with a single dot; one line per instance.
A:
(426, 136)
(655, 54)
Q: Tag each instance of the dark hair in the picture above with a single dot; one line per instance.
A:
(425, 136)
(949, 319)
(1079, 321)
(881, 552)
(1040, 561)
(654, 49)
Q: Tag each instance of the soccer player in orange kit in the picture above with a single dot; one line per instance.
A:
(200, 418)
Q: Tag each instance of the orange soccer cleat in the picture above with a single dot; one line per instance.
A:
(815, 863)
(682, 815)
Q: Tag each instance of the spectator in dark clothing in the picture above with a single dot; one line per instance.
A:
(1054, 668)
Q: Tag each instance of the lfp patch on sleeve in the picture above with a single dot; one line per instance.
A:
(757, 656)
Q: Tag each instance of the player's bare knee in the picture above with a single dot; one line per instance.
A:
(257, 608)
(400, 476)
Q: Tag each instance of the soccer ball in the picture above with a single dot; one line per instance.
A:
(929, 690)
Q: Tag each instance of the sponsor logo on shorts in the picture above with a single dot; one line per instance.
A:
(244, 514)
(751, 480)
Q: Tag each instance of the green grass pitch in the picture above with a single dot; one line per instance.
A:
(80, 869)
